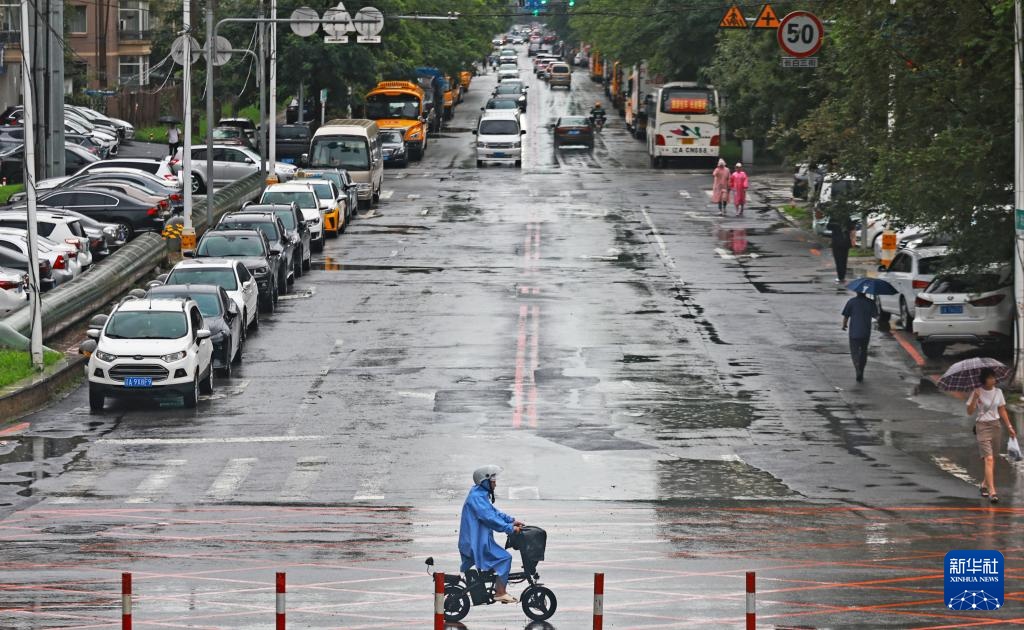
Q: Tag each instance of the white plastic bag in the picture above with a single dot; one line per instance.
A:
(1013, 450)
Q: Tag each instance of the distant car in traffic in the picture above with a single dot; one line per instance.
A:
(573, 130)
(512, 89)
(499, 138)
(393, 147)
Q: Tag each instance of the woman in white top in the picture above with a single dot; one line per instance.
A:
(988, 402)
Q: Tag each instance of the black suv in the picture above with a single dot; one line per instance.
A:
(250, 247)
(277, 236)
(295, 227)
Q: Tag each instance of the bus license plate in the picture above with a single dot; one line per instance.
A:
(138, 381)
(951, 309)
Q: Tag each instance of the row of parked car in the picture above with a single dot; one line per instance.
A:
(941, 306)
(194, 320)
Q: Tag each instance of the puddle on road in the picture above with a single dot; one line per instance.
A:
(734, 479)
(25, 459)
(460, 212)
(330, 264)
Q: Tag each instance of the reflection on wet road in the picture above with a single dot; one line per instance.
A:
(666, 388)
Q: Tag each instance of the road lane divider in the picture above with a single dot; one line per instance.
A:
(751, 601)
(126, 601)
(598, 601)
(279, 601)
(439, 601)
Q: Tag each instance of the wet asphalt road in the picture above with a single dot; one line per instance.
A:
(668, 391)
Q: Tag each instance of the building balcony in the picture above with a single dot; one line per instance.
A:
(133, 35)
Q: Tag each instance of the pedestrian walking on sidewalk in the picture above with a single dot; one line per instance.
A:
(739, 183)
(173, 139)
(989, 404)
(857, 316)
(720, 189)
(842, 240)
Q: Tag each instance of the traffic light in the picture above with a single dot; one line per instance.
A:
(572, 3)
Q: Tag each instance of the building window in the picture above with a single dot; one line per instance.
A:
(10, 23)
(76, 19)
(133, 70)
(133, 19)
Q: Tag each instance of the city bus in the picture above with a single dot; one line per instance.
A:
(683, 123)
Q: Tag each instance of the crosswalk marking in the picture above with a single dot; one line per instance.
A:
(300, 481)
(84, 481)
(230, 479)
(386, 194)
(157, 481)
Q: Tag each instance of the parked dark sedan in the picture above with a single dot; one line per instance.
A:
(295, 229)
(277, 236)
(392, 145)
(573, 130)
(250, 247)
(12, 161)
(110, 207)
(220, 316)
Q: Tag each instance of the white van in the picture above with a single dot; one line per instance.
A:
(354, 145)
(499, 138)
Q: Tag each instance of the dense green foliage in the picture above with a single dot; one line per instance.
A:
(912, 97)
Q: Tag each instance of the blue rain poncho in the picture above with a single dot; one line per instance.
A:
(476, 542)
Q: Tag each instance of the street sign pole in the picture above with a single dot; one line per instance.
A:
(28, 89)
(1018, 190)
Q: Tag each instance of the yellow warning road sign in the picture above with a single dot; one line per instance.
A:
(767, 18)
(733, 18)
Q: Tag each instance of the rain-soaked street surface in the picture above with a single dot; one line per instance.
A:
(668, 390)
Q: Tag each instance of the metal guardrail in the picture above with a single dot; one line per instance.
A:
(80, 298)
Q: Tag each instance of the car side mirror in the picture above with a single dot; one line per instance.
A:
(522, 131)
(483, 109)
(203, 333)
(188, 253)
(883, 268)
(232, 308)
(162, 278)
(93, 333)
(474, 132)
(87, 347)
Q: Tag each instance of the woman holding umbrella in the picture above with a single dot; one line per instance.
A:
(979, 376)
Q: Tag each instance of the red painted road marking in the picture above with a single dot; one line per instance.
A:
(15, 428)
(531, 409)
(908, 346)
(517, 413)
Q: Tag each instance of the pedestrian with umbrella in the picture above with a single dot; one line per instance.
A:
(857, 316)
(173, 133)
(988, 406)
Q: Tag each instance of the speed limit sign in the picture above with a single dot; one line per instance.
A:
(800, 34)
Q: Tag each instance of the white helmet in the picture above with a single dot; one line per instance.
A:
(486, 472)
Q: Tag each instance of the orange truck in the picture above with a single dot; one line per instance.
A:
(596, 67)
(399, 105)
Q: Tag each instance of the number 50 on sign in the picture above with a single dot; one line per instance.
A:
(800, 34)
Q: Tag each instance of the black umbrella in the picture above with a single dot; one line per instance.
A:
(169, 120)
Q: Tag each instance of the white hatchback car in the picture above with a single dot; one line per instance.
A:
(231, 275)
(150, 349)
(959, 308)
(911, 271)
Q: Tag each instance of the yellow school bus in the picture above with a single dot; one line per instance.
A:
(399, 105)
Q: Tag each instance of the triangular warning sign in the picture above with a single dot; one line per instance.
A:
(733, 18)
(767, 18)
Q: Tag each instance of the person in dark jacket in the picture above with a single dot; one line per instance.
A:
(857, 316)
(842, 241)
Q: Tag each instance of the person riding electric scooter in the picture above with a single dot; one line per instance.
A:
(598, 116)
(476, 543)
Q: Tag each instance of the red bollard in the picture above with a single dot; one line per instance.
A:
(280, 601)
(598, 601)
(126, 601)
(439, 601)
(751, 604)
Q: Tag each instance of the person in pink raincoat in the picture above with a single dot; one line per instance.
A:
(738, 183)
(720, 190)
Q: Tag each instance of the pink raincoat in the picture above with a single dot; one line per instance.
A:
(720, 191)
(738, 182)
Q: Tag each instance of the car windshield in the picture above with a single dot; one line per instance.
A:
(305, 199)
(268, 228)
(391, 137)
(292, 133)
(323, 191)
(209, 303)
(287, 217)
(225, 133)
(968, 283)
(499, 128)
(221, 276)
(147, 325)
(349, 152)
(573, 121)
(502, 103)
(508, 88)
(218, 245)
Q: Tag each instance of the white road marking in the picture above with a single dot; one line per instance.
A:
(425, 212)
(230, 479)
(663, 249)
(424, 395)
(310, 397)
(157, 481)
(412, 197)
(955, 470)
(685, 194)
(386, 194)
(227, 391)
(709, 193)
(524, 493)
(300, 482)
(724, 254)
(212, 440)
(84, 480)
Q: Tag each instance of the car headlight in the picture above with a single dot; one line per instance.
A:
(414, 135)
(315, 221)
(174, 356)
(480, 145)
(105, 356)
(260, 271)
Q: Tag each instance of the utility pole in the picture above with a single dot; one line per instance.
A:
(210, 53)
(36, 334)
(272, 123)
(262, 75)
(1018, 189)
(54, 105)
(188, 234)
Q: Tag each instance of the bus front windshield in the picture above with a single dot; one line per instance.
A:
(349, 152)
(401, 106)
(687, 101)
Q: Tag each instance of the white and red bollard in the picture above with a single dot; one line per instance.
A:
(439, 601)
(751, 603)
(280, 601)
(126, 601)
(598, 601)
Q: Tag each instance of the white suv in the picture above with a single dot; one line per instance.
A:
(499, 138)
(151, 348)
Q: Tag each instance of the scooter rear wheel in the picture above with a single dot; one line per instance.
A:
(539, 603)
(456, 603)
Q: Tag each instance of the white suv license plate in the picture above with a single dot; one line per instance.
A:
(138, 381)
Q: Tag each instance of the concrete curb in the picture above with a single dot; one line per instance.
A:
(22, 398)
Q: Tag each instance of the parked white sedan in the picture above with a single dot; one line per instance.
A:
(223, 272)
(12, 290)
(960, 308)
(911, 271)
